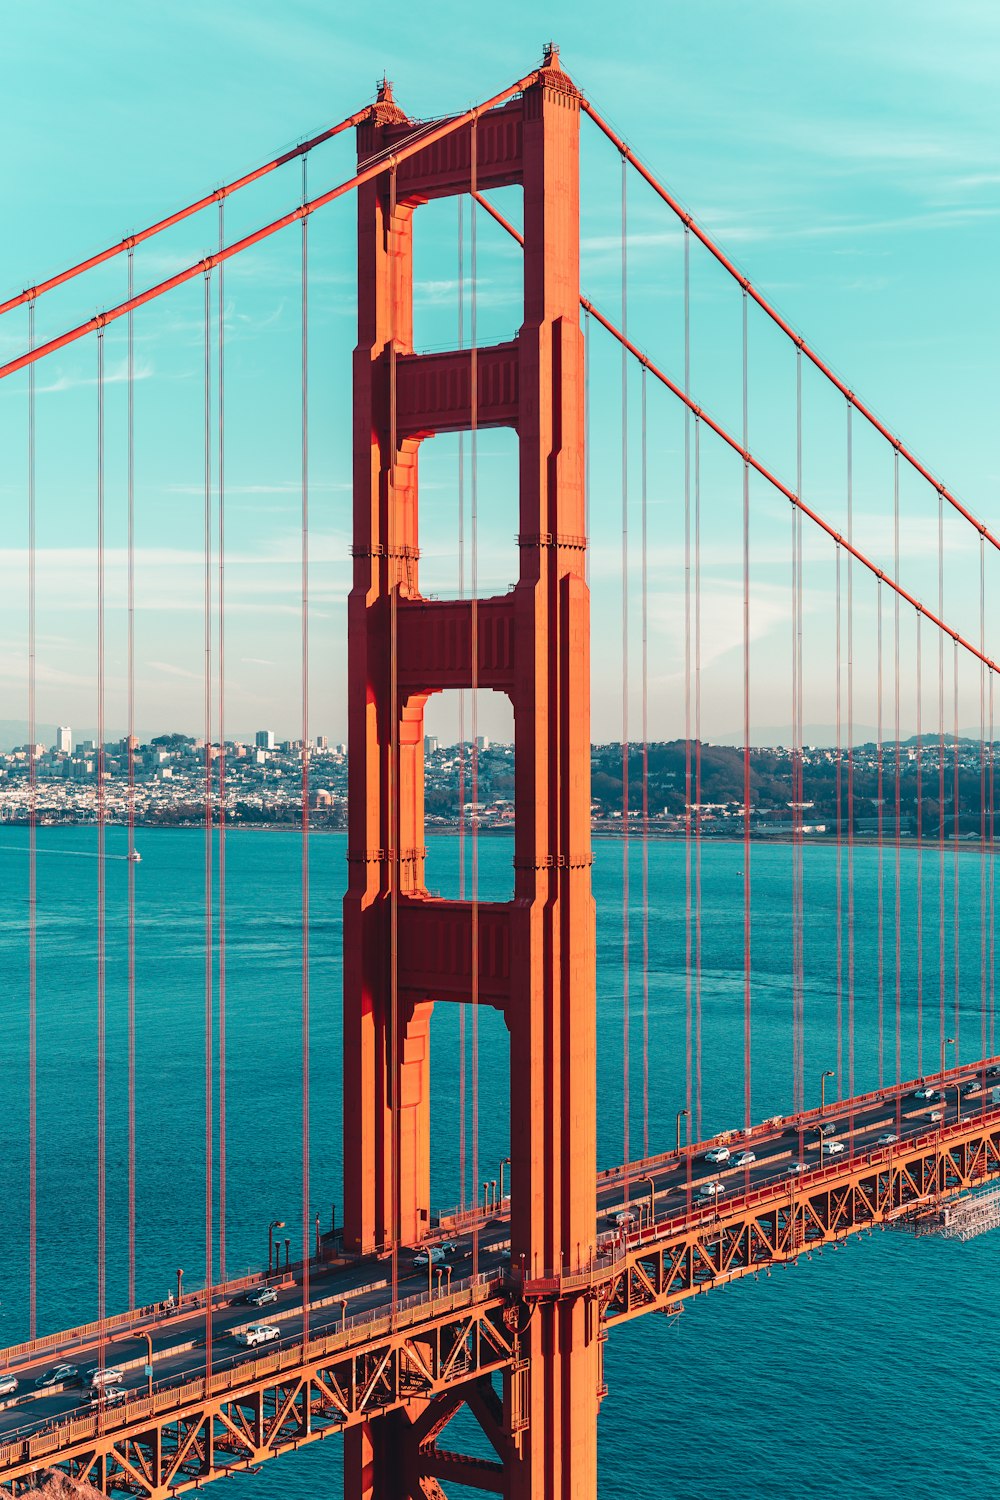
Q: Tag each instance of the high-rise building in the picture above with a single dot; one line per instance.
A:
(430, 744)
(64, 739)
(322, 743)
(264, 739)
(482, 742)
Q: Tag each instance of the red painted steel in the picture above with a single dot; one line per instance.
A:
(131, 240)
(786, 328)
(422, 138)
(534, 956)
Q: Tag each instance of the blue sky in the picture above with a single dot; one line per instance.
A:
(845, 156)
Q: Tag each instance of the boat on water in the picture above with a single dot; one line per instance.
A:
(135, 857)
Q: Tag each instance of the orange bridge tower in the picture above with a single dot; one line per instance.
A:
(534, 956)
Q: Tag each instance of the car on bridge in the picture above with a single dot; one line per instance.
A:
(8, 1385)
(925, 1093)
(57, 1375)
(259, 1296)
(258, 1333)
(106, 1395)
(94, 1375)
(718, 1154)
(434, 1253)
(710, 1190)
(744, 1159)
(795, 1167)
(888, 1139)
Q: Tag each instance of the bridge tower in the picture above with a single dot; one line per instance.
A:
(532, 957)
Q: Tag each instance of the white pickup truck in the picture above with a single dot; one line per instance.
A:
(258, 1333)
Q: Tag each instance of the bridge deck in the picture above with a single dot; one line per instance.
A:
(363, 1354)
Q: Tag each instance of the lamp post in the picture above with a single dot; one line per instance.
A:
(142, 1333)
(274, 1224)
(652, 1199)
(681, 1114)
(504, 1163)
(822, 1088)
(948, 1041)
(180, 1284)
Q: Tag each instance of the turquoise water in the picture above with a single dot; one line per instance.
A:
(868, 1372)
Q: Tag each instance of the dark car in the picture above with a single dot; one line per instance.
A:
(259, 1296)
(58, 1375)
(972, 1087)
(827, 1129)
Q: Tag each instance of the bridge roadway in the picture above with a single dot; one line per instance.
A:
(356, 1297)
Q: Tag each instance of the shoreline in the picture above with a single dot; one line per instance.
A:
(600, 831)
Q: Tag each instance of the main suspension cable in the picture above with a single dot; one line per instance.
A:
(420, 140)
(749, 290)
(130, 241)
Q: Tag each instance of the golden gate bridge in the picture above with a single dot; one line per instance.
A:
(390, 1325)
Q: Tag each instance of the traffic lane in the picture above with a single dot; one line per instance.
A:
(173, 1363)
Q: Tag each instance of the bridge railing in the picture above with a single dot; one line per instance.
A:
(149, 1314)
(459, 1220)
(31, 1441)
(612, 1253)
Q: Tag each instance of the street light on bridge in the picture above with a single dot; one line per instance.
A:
(948, 1041)
(822, 1088)
(681, 1113)
(274, 1224)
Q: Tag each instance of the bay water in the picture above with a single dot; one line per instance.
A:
(868, 1372)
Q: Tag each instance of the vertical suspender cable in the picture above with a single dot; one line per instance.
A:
(920, 852)
(221, 780)
(956, 905)
(32, 867)
(696, 1123)
(941, 902)
(586, 433)
(462, 1038)
(130, 752)
(209, 953)
(798, 1019)
(840, 845)
(392, 561)
(747, 992)
(101, 869)
(897, 912)
(645, 783)
(992, 880)
(474, 651)
(880, 955)
(688, 792)
(982, 801)
(625, 666)
(306, 1133)
(850, 756)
